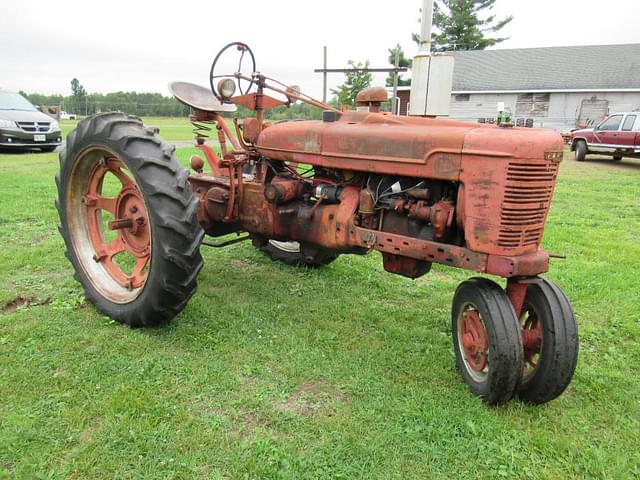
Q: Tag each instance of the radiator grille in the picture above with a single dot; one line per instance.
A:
(526, 202)
(35, 127)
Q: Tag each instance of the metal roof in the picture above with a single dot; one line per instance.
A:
(592, 68)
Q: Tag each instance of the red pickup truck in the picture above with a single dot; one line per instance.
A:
(617, 135)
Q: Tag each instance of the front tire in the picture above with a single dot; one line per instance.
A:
(581, 150)
(486, 340)
(128, 219)
(550, 340)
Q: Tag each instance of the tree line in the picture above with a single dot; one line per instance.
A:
(132, 103)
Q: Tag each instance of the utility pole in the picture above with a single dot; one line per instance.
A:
(324, 77)
(394, 99)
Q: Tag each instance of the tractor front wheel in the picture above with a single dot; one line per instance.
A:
(486, 340)
(550, 342)
(128, 219)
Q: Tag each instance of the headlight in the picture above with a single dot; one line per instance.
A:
(55, 126)
(7, 124)
(226, 88)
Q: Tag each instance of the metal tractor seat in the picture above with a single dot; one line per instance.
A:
(198, 97)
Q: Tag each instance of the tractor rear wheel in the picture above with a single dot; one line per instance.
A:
(486, 340)
(128, 219)
(550, 341)
(294, 253)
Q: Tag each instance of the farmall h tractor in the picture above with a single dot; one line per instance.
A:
(417, 190)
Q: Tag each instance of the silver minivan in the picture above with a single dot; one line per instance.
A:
(23, 126)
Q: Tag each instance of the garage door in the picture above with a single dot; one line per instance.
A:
(592, 110)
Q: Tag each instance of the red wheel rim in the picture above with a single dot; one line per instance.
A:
(531, 329)
(474, 342)
(129, 221)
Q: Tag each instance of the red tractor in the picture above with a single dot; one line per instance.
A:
(418, 190)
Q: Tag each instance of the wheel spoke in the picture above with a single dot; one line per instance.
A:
(105, 203)
(98, 202)
(138, 276)
(115, 167)
(115, 247)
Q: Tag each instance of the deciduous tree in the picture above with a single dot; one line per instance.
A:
(356, 80)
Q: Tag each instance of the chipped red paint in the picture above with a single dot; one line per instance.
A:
(475, 340)
(130, 224)
(517, 291)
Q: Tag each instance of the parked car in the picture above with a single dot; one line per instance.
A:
(67, 116)
(617, 135)
(22, 126)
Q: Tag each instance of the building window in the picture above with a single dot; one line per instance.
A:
(462, 97)
(533, 104)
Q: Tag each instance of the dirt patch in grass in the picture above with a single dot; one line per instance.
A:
(251, 421)
(23, 302)
(313, 398)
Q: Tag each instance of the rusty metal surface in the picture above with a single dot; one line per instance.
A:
(251, 101)
(405, 266)
(251, 130)
(420, 249)
(371, 142)
(130, 222)
(506, 199)
(506, 181)
(372, 95)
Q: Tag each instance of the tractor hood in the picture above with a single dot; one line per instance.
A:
(382, 143)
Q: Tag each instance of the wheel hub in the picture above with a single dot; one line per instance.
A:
(130, 222)
(475, 340)
(531, 338)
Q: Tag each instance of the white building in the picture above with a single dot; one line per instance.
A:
(555, 87)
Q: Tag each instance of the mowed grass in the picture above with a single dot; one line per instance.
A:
(171, 128)
(276, 372)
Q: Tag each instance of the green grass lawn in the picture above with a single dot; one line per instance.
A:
(275, 372)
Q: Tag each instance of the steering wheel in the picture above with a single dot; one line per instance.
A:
(243, 48)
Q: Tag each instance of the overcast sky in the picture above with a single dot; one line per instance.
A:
(128, 45)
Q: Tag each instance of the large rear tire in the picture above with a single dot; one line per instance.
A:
(486, 340)
(128, 219)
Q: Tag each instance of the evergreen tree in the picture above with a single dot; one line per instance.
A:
(404, 63)
(79, 96)
(355, 81)
(461, 25)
